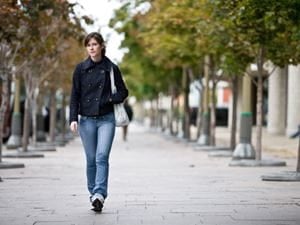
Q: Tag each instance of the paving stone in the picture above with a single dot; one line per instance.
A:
(153, 180)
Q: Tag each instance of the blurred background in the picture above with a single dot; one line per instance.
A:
(190, 66)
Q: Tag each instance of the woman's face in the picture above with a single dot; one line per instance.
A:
(94, 48)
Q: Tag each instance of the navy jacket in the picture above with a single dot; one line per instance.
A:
(91, 90)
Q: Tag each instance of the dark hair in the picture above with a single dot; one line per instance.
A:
(98, 37)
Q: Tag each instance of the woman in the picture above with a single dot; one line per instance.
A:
(91, 98)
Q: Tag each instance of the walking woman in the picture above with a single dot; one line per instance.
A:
(91, 98)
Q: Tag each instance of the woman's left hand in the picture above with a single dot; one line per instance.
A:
(73, 126)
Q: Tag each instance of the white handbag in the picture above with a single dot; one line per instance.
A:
(121, 116)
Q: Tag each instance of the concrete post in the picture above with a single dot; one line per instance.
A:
(293, 105)
(245, 150)
(277, 101)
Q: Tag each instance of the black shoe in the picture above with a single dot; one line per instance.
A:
(98, 205)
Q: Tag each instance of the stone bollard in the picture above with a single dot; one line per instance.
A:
(245, 150)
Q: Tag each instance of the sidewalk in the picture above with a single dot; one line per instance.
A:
(153, 181)
(277, 145)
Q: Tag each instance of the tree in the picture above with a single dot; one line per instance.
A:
(39, 30)
(9, 45)
(144, 77)
(167, 47)
(267, 31)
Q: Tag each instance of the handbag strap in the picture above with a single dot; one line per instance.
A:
(112, 81)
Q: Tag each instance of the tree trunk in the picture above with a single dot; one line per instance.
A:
(186, 120)
(26, 125)
(213, 115)
(158, 121)
(234, 112)
(298, 162)
(27, 109)
(14, 140)
(34, 119)
(3, 109)
(172, 110)
(212, 72)
(259, 104)
(152, 114)
(200, 112)
(40, 123)
(171, 117)
(177, 116)
(63, 117)
(52, 114)
(204, 138)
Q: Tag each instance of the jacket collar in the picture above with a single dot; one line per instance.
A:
(105, 63)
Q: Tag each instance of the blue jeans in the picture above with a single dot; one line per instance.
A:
(97, 134)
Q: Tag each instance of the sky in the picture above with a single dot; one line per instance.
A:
(101, 11)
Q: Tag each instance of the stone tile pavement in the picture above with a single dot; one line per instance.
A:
(153, 180)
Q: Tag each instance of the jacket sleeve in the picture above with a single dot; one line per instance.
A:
(122, 91)
(75, 95)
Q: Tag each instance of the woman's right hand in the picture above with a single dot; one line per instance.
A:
(73, 126)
